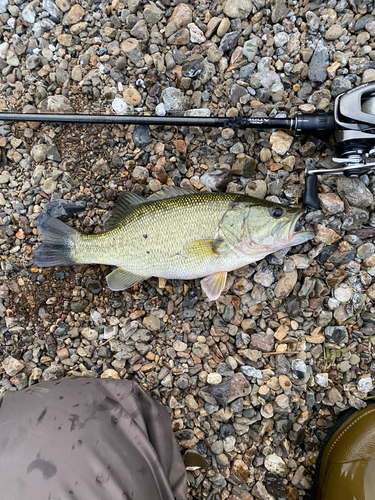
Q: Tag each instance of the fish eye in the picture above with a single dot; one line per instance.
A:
(277, 212)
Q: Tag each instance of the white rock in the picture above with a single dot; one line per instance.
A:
(280, 142)
(202, 112)
(3, 6)
(28, 14)
(89, 333)
(281, 39)
(343, 293)
(196, 35)
(229, 443)
(322, 379)
(160, 110)
(179, 346)
(273, 463)
(365, 384)
(214, 378)
(3, 50)
(333, 303)
(120, 107)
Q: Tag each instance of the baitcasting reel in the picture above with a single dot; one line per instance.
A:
(354, 118)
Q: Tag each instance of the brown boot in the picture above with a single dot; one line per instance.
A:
(347, 465)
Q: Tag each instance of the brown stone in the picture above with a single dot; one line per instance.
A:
(131, 96)
(239, 388)
(285, 382)
(286, 284)
(240, 471)
(262, 342)
(12, 366)
(333, 395)
(326, 235)
(110, 373)
(180, 145)
(74, 15)
(182, 15)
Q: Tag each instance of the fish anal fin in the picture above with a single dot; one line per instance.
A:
(120, 279)
(204, 248)
(126, 203)
(213, 284)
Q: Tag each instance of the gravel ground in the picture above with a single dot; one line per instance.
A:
(253, 381)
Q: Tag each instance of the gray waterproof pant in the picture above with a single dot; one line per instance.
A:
(87, 439)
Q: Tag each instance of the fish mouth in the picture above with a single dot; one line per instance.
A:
(289, 234)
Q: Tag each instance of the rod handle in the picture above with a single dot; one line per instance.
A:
(310, 197)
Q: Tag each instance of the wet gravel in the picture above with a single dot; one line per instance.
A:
(253, 381)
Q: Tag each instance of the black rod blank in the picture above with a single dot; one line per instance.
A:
(236, 122)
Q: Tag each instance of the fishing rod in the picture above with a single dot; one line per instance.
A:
(352, 123)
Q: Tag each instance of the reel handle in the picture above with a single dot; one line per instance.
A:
(310, 197)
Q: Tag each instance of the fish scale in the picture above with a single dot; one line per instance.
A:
(163, 229)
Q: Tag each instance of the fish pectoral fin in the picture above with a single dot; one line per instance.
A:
(204, 248)
(120, 279)
(213, 284)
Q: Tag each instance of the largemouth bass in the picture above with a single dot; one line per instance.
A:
(175, 235)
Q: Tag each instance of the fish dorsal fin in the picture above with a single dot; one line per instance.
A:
(213, 284)
(171, 192)
(126, 202)
(121, 279)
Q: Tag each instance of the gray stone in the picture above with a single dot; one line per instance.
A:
(132, 49)
(64, 209)
(140, 174)
(181, 37)
(39, 153)
(279, 11)
(299, 370)
(269, 80)
(174, 100)
(235, 94)
(52, 8)
(237, 9)
(353, 189)
(250, 49)
(339, 85)
(229, 40)
(56, 104)
(336, 334)
(217, 179)
(141, 136)
(319, 63)
(152, 14)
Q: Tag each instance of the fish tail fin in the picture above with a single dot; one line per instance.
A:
(58, 243)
